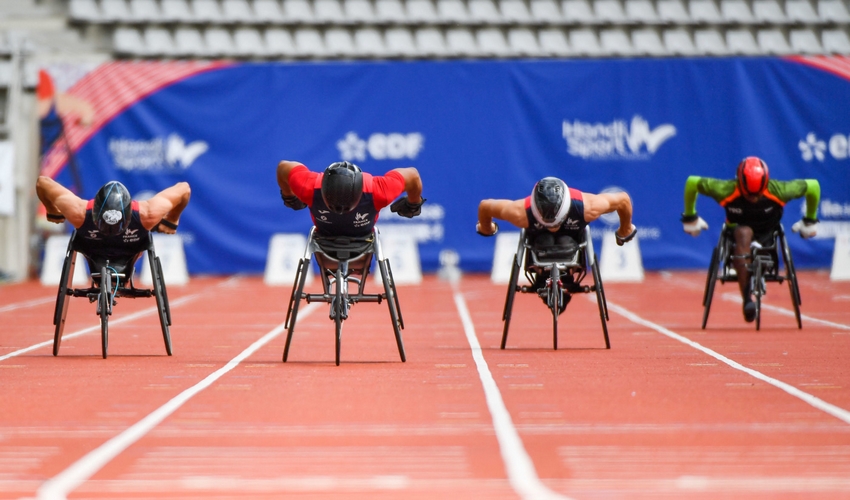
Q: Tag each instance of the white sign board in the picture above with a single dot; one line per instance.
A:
(285, 250)
(7, 180)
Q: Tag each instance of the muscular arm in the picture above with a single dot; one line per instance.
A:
(283, 170)
(59, 200)
(168, 204)
(596, 205)
(412, 184)
(512, 211)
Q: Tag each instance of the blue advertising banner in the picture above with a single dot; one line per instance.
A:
(474, 130)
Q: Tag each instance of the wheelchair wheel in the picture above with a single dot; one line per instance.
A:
(509, 300)
(600, 300)
(395, 295)
(295, 300)
(555, 302)
(710, 282)
(792, 281)
(63, 299)
(104, 304)
(161, 301)
(392, 301)
(758, 288)
(337, 312)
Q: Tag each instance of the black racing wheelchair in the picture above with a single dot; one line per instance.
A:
(764, 267)
(111, 278)
(555, 273)
(343, 261)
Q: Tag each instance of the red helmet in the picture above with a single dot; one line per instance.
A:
(752, 176)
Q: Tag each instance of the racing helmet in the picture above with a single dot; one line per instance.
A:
(112, 211)
(342, 186)
(752, 176)
(550, 201)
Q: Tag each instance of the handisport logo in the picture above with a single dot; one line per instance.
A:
(394, 146)
(615, 140)
(159, 153)
(813, 147)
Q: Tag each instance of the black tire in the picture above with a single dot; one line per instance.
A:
(710, 283)
(600, 300)
(509, 300)
(555, 302)
(63, 299)
(292, 295)
(390, 291)
(602, 293)
(395, 295)
(104, 306)
(793, 286)
(758, 286)
(298, 289)
(339, 307)
(161, 302)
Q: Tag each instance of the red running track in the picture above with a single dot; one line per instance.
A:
(671, 411)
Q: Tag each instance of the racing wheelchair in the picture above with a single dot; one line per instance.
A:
(111, 278)
(343, 261)
(764, 267)
(555, 274)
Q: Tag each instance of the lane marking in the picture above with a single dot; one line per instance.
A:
(731, 297)
(58, 487)
(520, 469)
(818, 403)
(29, 303)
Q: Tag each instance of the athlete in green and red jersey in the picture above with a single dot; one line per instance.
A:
(754, 204)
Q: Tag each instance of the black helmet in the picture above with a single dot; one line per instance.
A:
(342, 186)
(550, 201)
(111, 210)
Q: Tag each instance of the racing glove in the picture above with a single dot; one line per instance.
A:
(621, 241)
(806, 227)
(693, 224)
(405, 208)
(293, 202)
(478, 229)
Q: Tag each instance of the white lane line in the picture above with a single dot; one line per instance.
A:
(80, 471)
(124, 319)
(731, 297)
(28, 303)
(520, 469)
(818, 403)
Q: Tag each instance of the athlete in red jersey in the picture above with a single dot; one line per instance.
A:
(345, 201)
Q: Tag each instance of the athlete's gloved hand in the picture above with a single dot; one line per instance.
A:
(806, 227)
(622, 241)
(405, 208)
(693, 224)
(293, 202)
(478, 229)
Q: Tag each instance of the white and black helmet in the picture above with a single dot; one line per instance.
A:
(550, 201)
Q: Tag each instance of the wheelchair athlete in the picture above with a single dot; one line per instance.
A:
(754, 205)
(554, 217)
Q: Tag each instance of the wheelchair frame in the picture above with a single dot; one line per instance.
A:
(764, 268)
(105, 288)
(584, 258)
(336, 273)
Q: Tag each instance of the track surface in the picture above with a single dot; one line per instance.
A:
(735, 413)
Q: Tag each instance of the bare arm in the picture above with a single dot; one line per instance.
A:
(412, 184)
(168, 204)
(283, 170)
(596, 205)
(58, 200)
(512, 211)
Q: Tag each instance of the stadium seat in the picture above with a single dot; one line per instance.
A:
(769, 12)
(742, 42)
(835, 41)
(615, 41)
(189, 42)
(268, 12)
(309, 43)
(461, 42)
(400, 42)
(176, 11)
(523, 42)
(609, 11)
(646, 41)
(368, 42)
(159, 42)
(421, 12)
(515, 12)
(237, 11)
(359, 11)
(772, 41)
(249, 43)
(736, 12)
(219, 43)
(128, 42)
(833, 11)
(279, 43)
(578, 12)
(678, 42)
(452, 12)
(584, 42)
(491, 42)
(207, 11)
(145, 11)
(705, 11)
(801, 11)
(114, 11)
(298, 11)
(390, 11)
(804, 41)
(339, 43)
(329, 11)
(641, 12)
(710, 42)
(431, 43)
(484, 12)
(553, 42)
(673, 12)
(545, 12)
(84, 11)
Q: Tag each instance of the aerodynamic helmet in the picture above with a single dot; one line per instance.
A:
(752, 176)
(342, 186)
(550, 201)
(112, 209)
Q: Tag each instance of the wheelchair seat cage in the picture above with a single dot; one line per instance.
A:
(110, 280)
(764, 268)
(555, 274)
(343, 261)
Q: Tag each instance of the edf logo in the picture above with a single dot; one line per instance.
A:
(392, 146)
